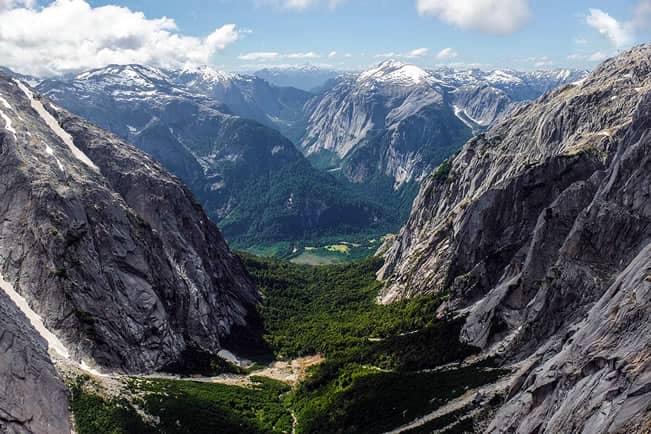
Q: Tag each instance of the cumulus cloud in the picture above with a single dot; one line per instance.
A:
(71, 35)
(10, 4)
(446, 54)
(500, 17)
(621, 33)
(273, 55)
(618, 33)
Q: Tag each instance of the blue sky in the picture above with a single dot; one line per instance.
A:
(345, 34)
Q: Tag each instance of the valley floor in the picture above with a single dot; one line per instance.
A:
(341, 363)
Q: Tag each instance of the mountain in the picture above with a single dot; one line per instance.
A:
(400, 121)
(309, 78)
(249, 97)
(483, 97)
(392, 121)
(110, 250)
(539, 232)
(251, 179)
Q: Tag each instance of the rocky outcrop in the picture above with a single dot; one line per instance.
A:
(33, 399)
(111, 251)
(540, 232)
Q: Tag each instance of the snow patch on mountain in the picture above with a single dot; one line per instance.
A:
(56, 128)
(393, 72)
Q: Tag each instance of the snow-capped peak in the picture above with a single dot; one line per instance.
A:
(139, 74)
(503, 77)
(395, 72)
(207, 73)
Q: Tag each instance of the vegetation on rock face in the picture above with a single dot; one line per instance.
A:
(443, 171)
(95, 414)
(193, 407)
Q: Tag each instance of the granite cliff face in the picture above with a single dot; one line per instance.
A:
(399, 121)
(391, 120)
(34, 399)
(111, 251)
(540, 231)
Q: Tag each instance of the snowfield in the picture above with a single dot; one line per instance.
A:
(56, 128)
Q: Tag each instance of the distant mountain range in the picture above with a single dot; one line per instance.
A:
(370, 137)
(251, 179)
(306, 77)
(400, 121)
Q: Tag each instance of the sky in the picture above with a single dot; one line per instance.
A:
(45, 37)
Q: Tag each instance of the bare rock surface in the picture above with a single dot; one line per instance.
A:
(540, 231)
(33, 398)
(111, 251)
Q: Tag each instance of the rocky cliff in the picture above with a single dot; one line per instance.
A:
(540, 230)
(111, 251)
(392, 120)
(34, 399)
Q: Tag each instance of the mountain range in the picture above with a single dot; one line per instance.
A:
(400, 121)
(309, 78)
(250, 178)
(539, 231)
(515, 299)
(371, 136)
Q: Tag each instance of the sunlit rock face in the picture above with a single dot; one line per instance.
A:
(540, 230)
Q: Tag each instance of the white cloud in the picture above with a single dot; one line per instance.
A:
(619, 34)
(273, 55)
(599, 56)
(418, 52)
(308, 55)
(543, 64)
(332, 54)
(501, 17)
(300, 5)
(260, 55)
(446, 54)
(71, 35)
(10, 4)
